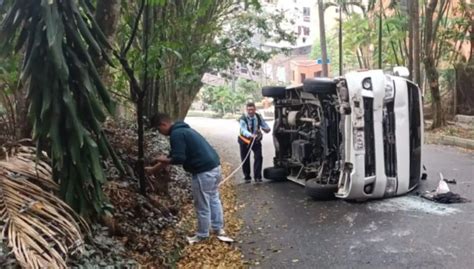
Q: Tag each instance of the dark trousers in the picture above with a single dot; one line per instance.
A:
(257, 155)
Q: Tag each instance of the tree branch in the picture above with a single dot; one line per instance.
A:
(134, 31)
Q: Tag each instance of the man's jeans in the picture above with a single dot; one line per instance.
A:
(207, 201)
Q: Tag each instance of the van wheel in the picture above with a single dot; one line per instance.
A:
(275, 173)
(274, 91)
(320, 86)
(319, 191)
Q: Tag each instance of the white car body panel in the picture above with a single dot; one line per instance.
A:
(352, 187)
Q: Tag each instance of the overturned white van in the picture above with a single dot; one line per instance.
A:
(356, 137)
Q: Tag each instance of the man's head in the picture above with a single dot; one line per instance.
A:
(162, 122)
(251, 109)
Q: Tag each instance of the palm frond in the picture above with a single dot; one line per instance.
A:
(68, 101)
(40, 228)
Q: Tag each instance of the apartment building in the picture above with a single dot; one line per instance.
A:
(293, 67)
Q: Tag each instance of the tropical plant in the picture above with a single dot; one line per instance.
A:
(8, 115)
(41, 230)
(60, 39)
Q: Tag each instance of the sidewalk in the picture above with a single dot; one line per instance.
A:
(451, 135)
(450, 141)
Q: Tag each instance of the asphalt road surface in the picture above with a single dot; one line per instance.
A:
(285, 229)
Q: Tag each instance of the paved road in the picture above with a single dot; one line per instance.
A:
(285, 229)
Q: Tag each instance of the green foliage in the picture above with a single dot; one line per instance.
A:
(360, 37)
(60, 40)
(223, 99)
(250, 89)
(447, 79)
(191, 38)
(349, 60)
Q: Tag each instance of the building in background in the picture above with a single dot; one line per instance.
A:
(289, 68)
(297, 64)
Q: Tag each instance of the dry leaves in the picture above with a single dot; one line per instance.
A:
(41, 230)
(153, 229)
(214, 253)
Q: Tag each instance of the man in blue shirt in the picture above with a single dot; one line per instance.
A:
(250, 125)
(190, 149)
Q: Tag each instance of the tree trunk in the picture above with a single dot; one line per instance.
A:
(464, 91)
(433, 84)
(322, 38)
(22, 123)
(410, 41)
(107, 15)
(358, 53)
(415, 17)
(429, 62)
(380, 35)
(141, 146)
(341, 68)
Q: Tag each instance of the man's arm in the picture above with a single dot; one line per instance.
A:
(244, 130)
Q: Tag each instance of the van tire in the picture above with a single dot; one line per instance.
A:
(320, 86)
(275, 173)
(274, 91)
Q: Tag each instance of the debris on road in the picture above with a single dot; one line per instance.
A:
(445, 198)
(450, 181)
(443, 194)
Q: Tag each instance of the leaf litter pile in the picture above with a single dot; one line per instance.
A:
(214, 253)
(152, 229)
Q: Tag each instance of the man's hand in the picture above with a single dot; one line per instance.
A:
(162, 159)
(150, 170)
(266, 130)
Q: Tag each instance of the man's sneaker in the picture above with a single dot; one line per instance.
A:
(195, 239)
(258, 180)
(247, 180)
(221, 235)
(219, 232)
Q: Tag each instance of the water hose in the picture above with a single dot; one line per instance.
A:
(241, 164)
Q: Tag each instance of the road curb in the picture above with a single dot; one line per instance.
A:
(456, 141)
